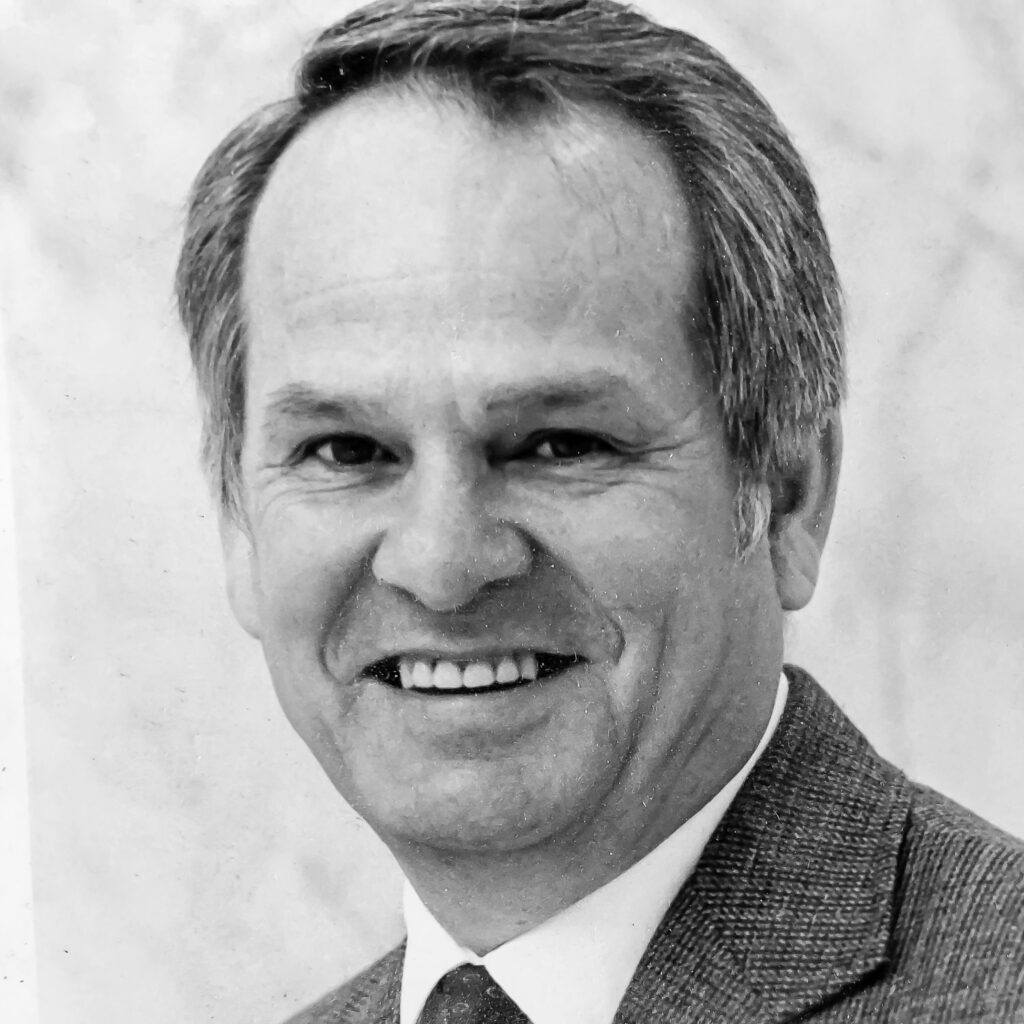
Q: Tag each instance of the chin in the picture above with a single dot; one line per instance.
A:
(486, 809)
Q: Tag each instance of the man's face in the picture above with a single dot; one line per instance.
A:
(479, 449)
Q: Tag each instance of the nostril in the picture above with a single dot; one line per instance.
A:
(446, 568)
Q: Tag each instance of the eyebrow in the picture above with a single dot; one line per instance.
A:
(302, 401)
(307, 402)
(589, 389)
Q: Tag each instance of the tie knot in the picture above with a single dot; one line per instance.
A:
(469, 995)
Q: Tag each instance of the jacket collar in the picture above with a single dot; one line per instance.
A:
(793, 899)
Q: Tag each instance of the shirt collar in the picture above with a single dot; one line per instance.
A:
(577, 964)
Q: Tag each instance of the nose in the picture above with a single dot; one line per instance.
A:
(444, 544)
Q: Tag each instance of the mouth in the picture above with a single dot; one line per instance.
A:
(452, 677)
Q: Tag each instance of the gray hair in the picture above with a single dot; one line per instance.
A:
(768, 293)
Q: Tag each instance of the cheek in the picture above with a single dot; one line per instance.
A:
(661, 566)
(640, 552)
(308, 565)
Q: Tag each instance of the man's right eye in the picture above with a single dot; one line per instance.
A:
(350, 450)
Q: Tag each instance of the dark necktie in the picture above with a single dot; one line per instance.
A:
(469, 995)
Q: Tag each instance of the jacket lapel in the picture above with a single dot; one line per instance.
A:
(382, 997)
(792, 900)
(370, 998)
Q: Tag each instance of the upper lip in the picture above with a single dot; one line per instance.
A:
(488, 652)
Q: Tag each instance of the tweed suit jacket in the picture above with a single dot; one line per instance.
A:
(834, 890)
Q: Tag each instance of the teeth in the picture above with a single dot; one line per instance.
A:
(477, 675)
(447, 676)
(508, 671)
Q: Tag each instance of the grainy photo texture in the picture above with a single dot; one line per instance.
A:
(597, 595)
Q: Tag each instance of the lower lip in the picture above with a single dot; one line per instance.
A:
(471, 723)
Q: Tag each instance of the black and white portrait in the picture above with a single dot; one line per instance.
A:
(514, 512)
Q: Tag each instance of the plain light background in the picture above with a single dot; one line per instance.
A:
(190, 862)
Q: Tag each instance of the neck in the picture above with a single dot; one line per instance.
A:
(484, 898)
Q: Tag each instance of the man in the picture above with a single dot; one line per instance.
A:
(520, 345)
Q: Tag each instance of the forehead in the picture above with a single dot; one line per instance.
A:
(404, 243)
(398, 209)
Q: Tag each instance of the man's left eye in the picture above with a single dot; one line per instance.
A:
(569, 446)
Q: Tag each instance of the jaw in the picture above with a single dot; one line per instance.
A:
(490, 769)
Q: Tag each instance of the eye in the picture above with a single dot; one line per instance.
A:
(569, 446)
(350, 450)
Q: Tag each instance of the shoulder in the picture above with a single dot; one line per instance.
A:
(959, 916)
(967, 873)
(935, 893)
(368, 998)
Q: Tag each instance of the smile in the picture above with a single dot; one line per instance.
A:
(444, 676)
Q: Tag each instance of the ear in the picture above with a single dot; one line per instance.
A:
(240, 572)
(802, 503)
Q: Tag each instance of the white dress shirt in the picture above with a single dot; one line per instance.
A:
(577, 965)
